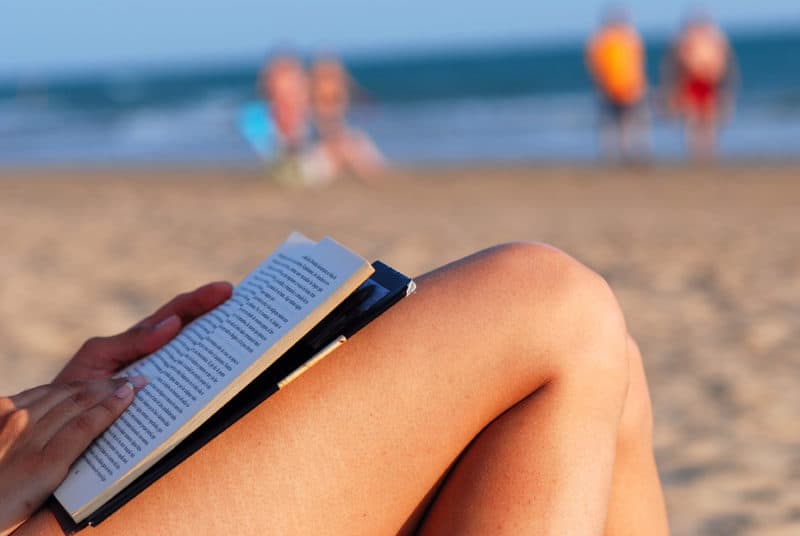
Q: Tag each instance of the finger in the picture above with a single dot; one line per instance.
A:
(48, 397)
(77, 395)
(29, 396)
(190, 305)
(72, 428)
(7, 407)
(64, 402)
(122, 349)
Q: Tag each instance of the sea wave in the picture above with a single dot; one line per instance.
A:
(519, 103)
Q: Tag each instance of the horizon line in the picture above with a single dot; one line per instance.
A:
(386, 52)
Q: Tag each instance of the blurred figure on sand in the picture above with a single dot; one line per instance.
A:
(699, 75)
(616, 62)
(306, 155)
(341, 149)
(284, 85)
(279, 129)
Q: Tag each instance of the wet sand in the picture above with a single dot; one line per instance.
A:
(705, 263)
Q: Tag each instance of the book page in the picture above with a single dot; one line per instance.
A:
(210, 360)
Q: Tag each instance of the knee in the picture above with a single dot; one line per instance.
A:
(636, 423)
(567, 315)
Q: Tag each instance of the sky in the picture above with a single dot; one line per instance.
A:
(40, 36)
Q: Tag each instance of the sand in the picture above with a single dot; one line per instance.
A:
(704, 261)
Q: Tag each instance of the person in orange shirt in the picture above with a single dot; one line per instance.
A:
(615, 59)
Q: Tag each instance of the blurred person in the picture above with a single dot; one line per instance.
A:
(276, 124)
(699, 74)
(284, 86)
(341, 149)
(615, 59)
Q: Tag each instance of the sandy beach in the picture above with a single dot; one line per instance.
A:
(703, 260)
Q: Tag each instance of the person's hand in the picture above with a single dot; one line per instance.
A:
(45, 429)
(102, 357)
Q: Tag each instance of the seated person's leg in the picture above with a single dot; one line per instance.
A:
(519, 346)
(637, 500)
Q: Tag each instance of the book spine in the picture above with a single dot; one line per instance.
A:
(333, 345)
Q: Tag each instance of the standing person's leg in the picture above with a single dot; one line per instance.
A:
(702, 125)
(709, 138)
(519, 340)
(627, 134)
(637, 132)
(610, 130)
(702, 139)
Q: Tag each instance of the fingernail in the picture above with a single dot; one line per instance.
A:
(166, 321)
(124, 391)
(138, 381)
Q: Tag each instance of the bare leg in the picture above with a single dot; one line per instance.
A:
(627, 136)
(519, 346)
(702, 132)
(637, 501)
(635, 134)
(610, 136)
(544, 467)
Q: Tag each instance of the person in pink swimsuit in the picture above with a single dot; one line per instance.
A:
(699, 75)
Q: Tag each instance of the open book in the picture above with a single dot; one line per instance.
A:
(294, 309)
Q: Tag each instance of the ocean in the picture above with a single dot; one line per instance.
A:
(511, 103)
